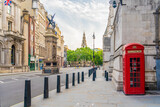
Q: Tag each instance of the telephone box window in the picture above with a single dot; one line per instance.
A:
(135, 79)
(131, 70)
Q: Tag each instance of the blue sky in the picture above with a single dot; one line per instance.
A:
(77, 16)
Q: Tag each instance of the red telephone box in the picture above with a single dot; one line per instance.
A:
(133, 69)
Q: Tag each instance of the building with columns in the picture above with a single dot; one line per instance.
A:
(11, 38)
(131, 22)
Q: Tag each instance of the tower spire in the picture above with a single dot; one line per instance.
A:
(84, 42)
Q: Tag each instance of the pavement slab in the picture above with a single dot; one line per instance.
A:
(99, 93)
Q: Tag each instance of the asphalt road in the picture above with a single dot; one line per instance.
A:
(12, 86)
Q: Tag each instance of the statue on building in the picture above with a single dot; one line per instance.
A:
(50, 62)
(51, 22)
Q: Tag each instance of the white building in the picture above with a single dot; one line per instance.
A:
(11, 39)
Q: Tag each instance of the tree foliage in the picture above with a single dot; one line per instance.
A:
(99, 57)
(85, 54)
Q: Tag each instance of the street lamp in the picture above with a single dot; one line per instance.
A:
(93, 48)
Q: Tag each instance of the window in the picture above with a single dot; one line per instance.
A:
(32, 26)
(32, 51)
(9, 25)
(34, 4)
(9, 9)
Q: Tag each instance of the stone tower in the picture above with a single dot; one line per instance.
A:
(84, 42)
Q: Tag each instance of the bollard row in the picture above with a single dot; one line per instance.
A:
(27, 93)
(92, 71)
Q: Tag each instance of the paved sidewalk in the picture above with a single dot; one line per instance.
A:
(94, 94)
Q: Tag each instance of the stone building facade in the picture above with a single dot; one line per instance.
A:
(39, 14)
(133, 22)
(108, 42)
(40, 37)
(60, 47)
(28, 30)
(51, 45)
(11, 38)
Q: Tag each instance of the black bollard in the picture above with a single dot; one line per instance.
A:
(93, 76)
(67, 81)
(106, 76)
(27, 93)
(78, 78)
(73, 79)
(82, 76)
(58, 84)
(46, 89)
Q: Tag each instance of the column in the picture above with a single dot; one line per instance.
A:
(7, 54)
(20, 57)
(4, 17)
(17, 57)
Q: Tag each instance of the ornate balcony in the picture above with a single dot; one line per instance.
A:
(15, 35)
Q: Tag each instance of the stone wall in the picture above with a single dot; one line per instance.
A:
(11, 38)
(134, 23)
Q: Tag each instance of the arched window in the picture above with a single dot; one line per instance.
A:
(13, 55)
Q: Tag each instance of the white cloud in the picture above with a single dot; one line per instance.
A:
(76, 16)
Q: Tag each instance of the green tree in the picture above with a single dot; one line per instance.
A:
(98, 57)
(85, 54)
(71, 55)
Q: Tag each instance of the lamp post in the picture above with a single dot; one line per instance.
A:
(93, 48)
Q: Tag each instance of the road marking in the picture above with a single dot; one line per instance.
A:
(1, 82)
